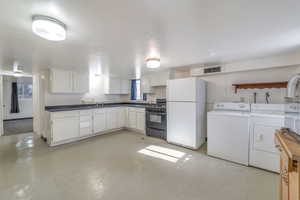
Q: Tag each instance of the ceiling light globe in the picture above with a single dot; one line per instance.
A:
(153, 63)
(49, 28)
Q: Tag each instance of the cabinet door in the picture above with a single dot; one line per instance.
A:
(132, 119)
(125, 86)
(61, 81)
(146, 85)
(80, 82)
(65, 129)
(85, 125)
(121, 117)
(140, 121)
(113, 85)
(99, 122)
(112, 118)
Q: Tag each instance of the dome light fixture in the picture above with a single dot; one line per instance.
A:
(49, 28)
(153, 63)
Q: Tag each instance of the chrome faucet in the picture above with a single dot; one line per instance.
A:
(292, 86)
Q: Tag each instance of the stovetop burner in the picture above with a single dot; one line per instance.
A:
(160, 106)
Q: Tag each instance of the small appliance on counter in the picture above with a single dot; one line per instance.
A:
(156, 119)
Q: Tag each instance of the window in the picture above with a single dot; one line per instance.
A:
(25, 90)
(136, 93)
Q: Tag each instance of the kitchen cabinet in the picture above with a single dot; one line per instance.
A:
(136, 119)
(146, 84)
(69, 126)
(80, 82)
(132, 118)
(61, 81)
(112, 118)
(114, 85)
(140, 121)
(66, 81)
(99, 121)
(125, 86)
(64, 126)
(122, 119)
(85, 123)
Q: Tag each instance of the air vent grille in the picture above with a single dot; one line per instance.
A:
(212, 70)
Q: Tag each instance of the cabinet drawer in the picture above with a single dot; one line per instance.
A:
(86, 118)
(99, 111)
(85, 124)
(85, 112)
(140, 110)
(65, 114)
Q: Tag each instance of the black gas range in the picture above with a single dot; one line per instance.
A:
(156, 119)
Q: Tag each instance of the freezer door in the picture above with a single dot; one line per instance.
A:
(181, 124)
(182, 90)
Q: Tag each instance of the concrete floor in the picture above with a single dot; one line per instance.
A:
(124, 166)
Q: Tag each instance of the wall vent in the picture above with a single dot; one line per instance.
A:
(212, 70)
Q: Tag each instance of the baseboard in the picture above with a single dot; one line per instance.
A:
(6, 120)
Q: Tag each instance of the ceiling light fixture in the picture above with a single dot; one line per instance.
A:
(153, 63)
(49, 28)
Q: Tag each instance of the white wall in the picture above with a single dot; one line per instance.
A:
(220, 89)
(24, 104)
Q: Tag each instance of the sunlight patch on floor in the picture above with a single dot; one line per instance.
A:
(162, 153)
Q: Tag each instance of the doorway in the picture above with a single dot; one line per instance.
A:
(17, 104)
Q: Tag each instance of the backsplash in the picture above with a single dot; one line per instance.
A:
(158, 93)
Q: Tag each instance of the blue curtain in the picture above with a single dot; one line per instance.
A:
(133, 89)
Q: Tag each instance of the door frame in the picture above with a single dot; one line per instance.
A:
(35, 102)
(1, 106)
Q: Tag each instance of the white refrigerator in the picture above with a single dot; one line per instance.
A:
(186, 112)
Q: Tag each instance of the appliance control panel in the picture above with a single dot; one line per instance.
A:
(232, 106)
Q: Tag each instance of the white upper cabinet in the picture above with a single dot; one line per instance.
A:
(61, 81)
(115, 85)
(66, 81)
(125, 86)
(146, 84)
(81, 82)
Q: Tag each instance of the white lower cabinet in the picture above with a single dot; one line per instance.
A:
(131, 119)
(112, 118)
(99, 120)
(136, 119)
(140, 121)
(122, 117)
(68, 126)
(86, 123)
(64, 126)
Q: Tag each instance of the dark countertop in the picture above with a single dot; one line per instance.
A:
(93, 106)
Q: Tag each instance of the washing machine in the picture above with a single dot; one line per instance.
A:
(227, 132)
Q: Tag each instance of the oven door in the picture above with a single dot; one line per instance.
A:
(156, 120)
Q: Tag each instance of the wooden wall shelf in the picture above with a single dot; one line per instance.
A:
(260, 85)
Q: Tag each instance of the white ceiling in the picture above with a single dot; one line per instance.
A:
(119, 34)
